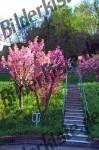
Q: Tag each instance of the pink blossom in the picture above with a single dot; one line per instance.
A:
(90, 66)
(31, 67)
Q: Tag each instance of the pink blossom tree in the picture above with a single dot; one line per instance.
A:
(41, 73)
(49, 78)
(90, 66)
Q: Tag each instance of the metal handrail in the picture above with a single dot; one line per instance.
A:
(65, 93)
(83, 97)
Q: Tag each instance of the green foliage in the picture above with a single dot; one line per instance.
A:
(61, 19)
(89, 78)
(96, 7)
(73, 79)
(13, 122)
(84, 19)
(71, 29)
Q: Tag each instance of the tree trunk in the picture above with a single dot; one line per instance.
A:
(44, 112)
(37, 101)
(20, 99)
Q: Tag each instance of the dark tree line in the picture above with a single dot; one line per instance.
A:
(67, 28)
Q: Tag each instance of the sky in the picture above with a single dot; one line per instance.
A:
(9, 7)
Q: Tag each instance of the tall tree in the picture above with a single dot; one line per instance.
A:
(96, 6)
(84, 19)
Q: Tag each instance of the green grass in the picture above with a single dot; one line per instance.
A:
(73, 79)
(14, 123)
(92, 95)
(89, 78)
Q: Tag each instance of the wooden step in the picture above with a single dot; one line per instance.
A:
(81, 114)
(73, 121)
(74, 117)
(74, 107)
(73, 104)
(74, 110)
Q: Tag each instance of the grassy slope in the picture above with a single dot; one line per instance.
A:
(13, 123)
(92, 95)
